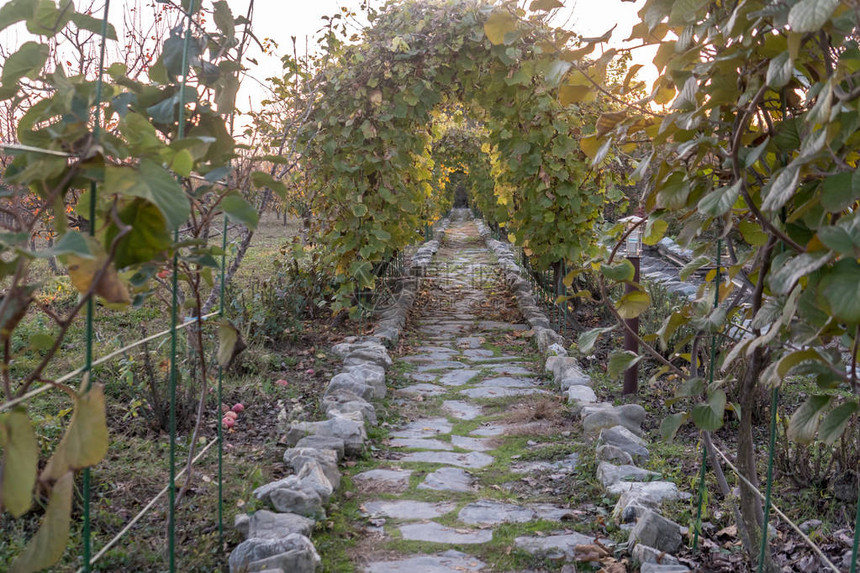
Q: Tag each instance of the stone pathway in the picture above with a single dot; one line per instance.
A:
(439, 495)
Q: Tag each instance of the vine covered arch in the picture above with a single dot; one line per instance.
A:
(370, 153)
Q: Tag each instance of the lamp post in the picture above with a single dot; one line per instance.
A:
(633, 250)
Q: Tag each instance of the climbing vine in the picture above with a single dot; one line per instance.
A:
(372, 133)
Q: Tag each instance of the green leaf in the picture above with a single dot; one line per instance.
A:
(840, 288)
(585, 342)
(498, 25)
(782, 188)
(86, 440)
(692, 387)
(621, 271)
(20, 462)
(834, 423)
(752, 233)
(49, 543)
(694, 265)
(779, 70)
(545, 5)
(153, 183)
(621, 360)
(786, 276)
(840, 191)
(673, 193)
(149, 238)
(72, 242)
(94, 25)
(720, 201)
(239, 210)
(708, 415)
(810, 15)
(671, 424)
(633, 304)
(685, 11)
(182, 163)
(229, 343)
(223, 18)
(359, 209)
(15, 11)
(27, 61)
(837, 238)
(804, 422)
(41, 341)
(792, 359)
(262, 179)
(753, 154)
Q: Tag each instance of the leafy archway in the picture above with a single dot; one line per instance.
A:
(370, 150)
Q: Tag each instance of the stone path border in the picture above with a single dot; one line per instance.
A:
(653, 538)
(279, 541)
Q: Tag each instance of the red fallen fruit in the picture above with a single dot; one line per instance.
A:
(238, 407)
(281, 382)
(228, 422)
(230, 414)
(163, 274)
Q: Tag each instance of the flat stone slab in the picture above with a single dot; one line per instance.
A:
(423, 428)
(478, 353)
(435, 533)
(566, 464)
(510, 369)
(470, 342)
(472, 460)
(496, 325)
(422, 376)
(440, 365)
(473, 444)
(550, 512)
(489, 430)
(508, 382)
(448, 562)
(385, 480)
(424, 389)
(458, 377)
(495, 512)
(437, 349)
(407, 509)
(555, 547)
(447, 479)
(500, 358)
(500, 392)
(428, 357)
(420, 444)
(461, 410)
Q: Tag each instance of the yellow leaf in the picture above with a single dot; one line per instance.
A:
(568, 94)
(545, 5)
(590, 145)
(86, 439)
(230, 343)
(49, 543)
(633, 304)
(498, 25)
(20, 462)
(83, 270)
